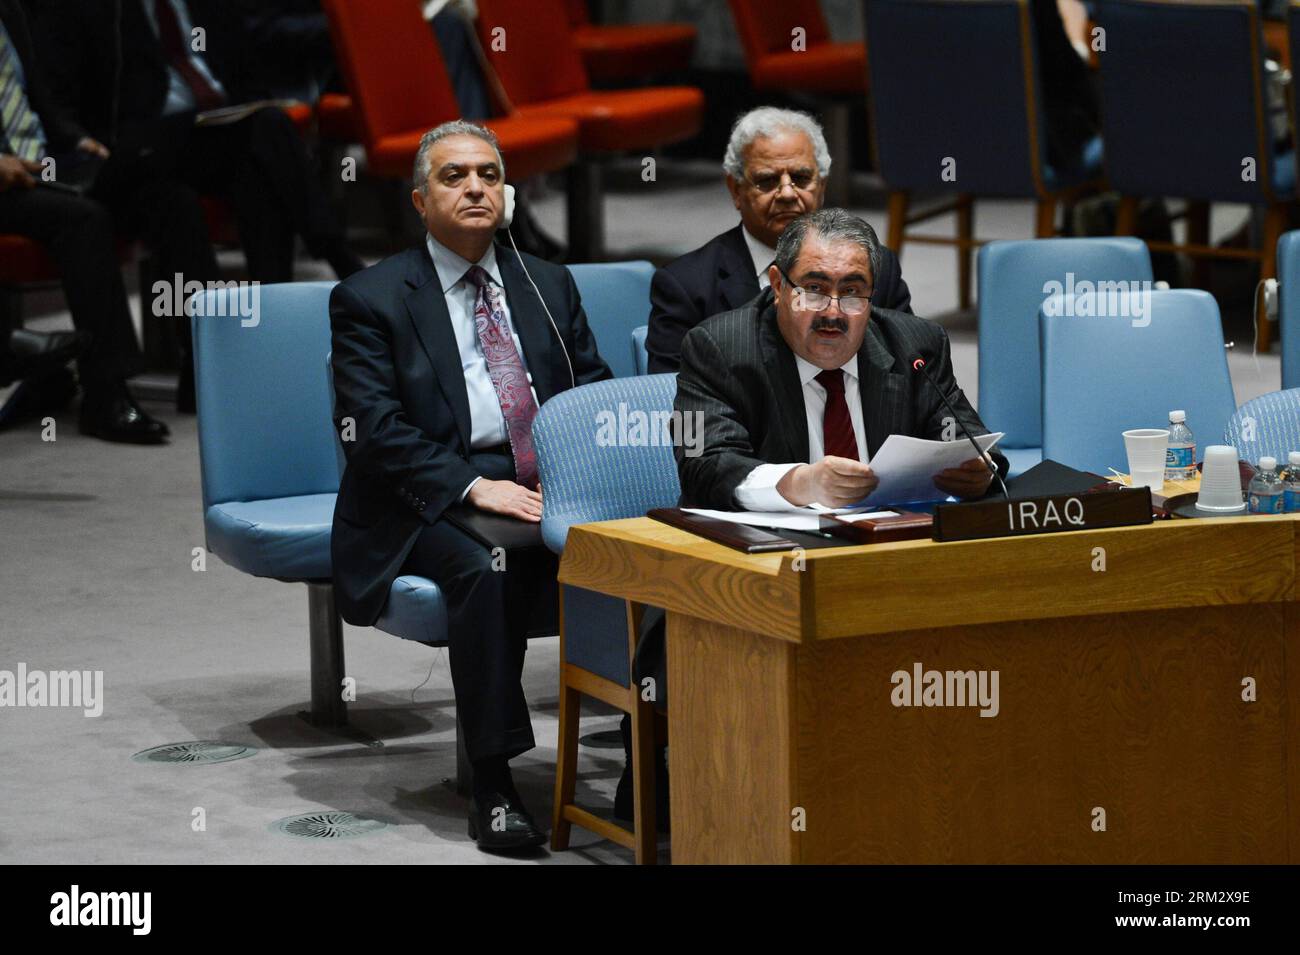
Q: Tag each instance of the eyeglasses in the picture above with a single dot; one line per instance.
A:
(806, 301)
(801, 179)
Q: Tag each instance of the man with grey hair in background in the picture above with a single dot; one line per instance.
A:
(442, 356)
(776, 168)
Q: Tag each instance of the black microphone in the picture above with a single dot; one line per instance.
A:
(918, 364)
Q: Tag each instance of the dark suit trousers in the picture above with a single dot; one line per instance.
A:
(487, 626)
(261, 165)
(165, 214)
(77, 234)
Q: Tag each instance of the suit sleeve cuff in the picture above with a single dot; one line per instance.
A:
(758, 491)
(468, 487)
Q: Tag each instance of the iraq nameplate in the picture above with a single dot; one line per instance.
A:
(1042, 515)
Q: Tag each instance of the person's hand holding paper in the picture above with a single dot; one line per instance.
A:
(969, 480)
(832, 481)
(914, 469)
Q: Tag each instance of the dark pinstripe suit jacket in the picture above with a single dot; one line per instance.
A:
(740, 375)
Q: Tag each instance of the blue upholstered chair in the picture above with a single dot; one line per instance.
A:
(639, 352)
(589, 474)
(270, 466)
(956, 107)
(1015, 278)
(1168, 65)
(1106, 375)
(1288, 275)
(616, 298)
(1267, 426)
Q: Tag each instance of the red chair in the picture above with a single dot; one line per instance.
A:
(23, 261)
(337, 118)
(822, 69)
(542, 73)
(614, 52)
(400, 90)
(767, 34)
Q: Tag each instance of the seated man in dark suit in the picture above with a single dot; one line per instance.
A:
(796, 390)
(776, 164)
(800, 387)
(77, 234)
(442, 355)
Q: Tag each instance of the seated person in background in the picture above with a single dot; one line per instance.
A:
(797, 389)
(442, 355)
(776, 164)
(267, 49)
(77, 234)
(130, 75)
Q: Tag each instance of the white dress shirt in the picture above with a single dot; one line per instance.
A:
(487, 424)
(758, 491)
(762, 256)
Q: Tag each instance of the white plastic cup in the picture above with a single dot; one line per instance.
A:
(1146, 449)
(1220, 481)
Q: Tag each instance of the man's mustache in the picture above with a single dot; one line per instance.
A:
(829, 324)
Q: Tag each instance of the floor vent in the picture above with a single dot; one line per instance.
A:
(331, 824)
(195, 751)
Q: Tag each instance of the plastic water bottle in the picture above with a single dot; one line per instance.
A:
(1265, 493)
(1291, 484)
(1180, 458)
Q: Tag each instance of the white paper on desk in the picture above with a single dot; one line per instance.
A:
(784, 520)
(906, 466)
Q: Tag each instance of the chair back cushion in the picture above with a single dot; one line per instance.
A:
(264, 404)
(952, 86)
(1015, 278)
(1181, 99)
(392, 66)
(1267, 426)
(616, 298)
(1288, 279)
(531, 48)
(604, 451)
(1104, 376)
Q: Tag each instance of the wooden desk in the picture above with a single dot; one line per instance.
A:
(1119, 690)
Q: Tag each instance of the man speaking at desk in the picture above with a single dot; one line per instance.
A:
(801, 386)
(442, 355)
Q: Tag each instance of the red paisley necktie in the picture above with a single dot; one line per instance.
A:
(506, 369)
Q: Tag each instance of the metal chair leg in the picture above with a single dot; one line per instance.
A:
(585, 205)
(327, 705)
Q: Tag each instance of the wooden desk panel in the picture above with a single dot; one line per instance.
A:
(1140, 715)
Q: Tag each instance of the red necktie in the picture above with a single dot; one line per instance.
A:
(506, 369)
(178, 56)
(837, 426)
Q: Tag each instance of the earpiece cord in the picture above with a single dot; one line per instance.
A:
(573, 381)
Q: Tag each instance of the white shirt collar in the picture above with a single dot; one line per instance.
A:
(761, 254)
(808, 371)
(451, 268)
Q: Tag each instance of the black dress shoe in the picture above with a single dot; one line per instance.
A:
(113, 415)
(500, 823)
(29, 354)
